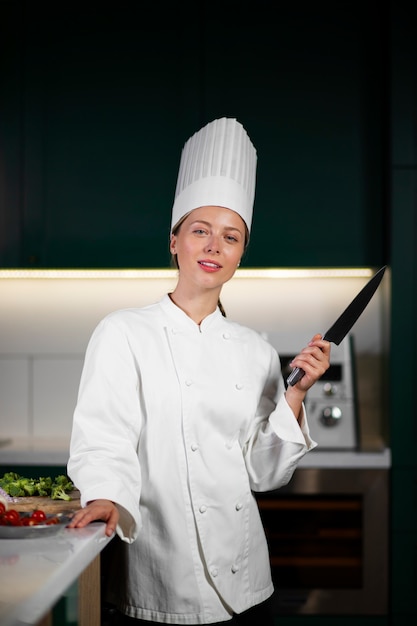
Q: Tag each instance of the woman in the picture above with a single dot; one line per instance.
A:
(182, 414)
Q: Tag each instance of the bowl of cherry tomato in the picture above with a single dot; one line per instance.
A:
(16, 525)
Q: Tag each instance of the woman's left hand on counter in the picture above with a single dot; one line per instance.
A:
(102, 510)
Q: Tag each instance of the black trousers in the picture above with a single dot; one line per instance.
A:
(261, 614)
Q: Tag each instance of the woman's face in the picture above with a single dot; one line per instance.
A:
(209, 245)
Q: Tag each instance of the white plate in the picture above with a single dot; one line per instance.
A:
(40, 530)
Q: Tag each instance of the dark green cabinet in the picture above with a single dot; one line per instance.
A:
(98, 103)
(98, 128)
(404, 314)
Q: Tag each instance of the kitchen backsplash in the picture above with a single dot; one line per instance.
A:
(45, 325)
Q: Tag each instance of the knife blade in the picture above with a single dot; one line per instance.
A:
(346, 320)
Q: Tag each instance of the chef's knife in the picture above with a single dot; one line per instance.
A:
(347, 319)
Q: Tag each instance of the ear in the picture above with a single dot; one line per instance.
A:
(172, 245)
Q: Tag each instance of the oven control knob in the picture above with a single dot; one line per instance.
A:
(331, 415)
(329, 389)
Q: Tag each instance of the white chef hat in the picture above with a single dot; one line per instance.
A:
(217, 168)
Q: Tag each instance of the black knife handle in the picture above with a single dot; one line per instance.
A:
(295, 376)
(297, 372)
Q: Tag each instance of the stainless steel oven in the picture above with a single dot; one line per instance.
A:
(331, 403)
(328, 539)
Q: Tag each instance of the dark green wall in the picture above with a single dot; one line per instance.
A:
(404, 313)
(98, 103)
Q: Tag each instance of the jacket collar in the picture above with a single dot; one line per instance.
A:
(180, 320)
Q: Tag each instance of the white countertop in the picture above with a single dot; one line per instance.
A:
(347, 459)
(34, 573)
(29, 451)
(34, 451)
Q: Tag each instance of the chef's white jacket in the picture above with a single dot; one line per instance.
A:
(178, 424)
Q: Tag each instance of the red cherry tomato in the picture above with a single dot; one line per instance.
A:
(38, 515)
(52, 520)
(29, 521)
(11, 517)
(2, 508)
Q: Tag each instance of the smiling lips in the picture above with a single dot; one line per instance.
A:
(209, 266)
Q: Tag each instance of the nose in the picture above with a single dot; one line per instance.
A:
(213, 245)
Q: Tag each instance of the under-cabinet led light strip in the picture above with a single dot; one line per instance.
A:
(362, 272)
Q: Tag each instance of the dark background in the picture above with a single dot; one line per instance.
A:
(97, 100)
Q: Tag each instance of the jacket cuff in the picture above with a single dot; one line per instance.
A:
(287, 427)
